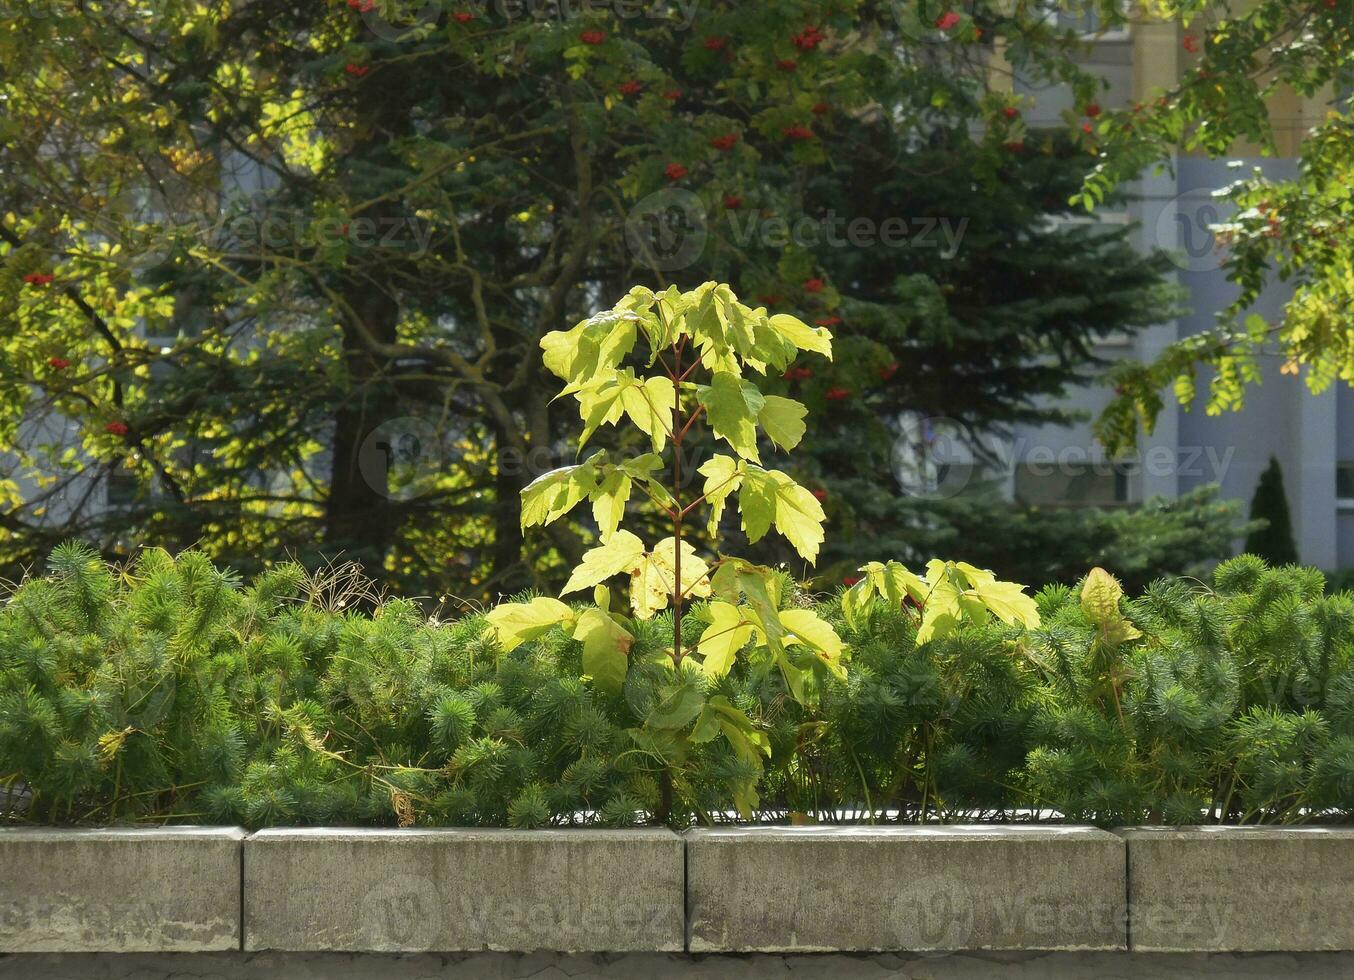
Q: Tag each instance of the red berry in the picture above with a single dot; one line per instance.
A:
(820, 495)
(787, 64)
(675, 171)
(716, 43)
(631, 87)
(462, 17)
(797, 132)
(58, 363)
(1190, 43)
(592, 37)
(837, 394)
(672, 94)
(821, 109)
(947, 20)
(732, 202)
(39, 278)
(725, 143)
(116, 428)
(887, 372)
(1092, 110)
(357, 71)
(1011, 112)
(808, 39)
(828, 321)
(850, 580)
(813, 285)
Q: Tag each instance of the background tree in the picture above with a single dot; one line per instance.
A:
(1274, 540)
(279, 272)
(1246, 61)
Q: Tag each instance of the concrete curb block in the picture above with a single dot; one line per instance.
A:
(817, 889)
(754, 889)
(1240, 889)
(463, 890)
(166, 890)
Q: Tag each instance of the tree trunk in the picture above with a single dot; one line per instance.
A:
(360, 520)
(508, 574)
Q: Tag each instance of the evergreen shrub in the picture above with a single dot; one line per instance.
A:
(170, 691)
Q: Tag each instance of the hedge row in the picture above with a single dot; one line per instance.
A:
(170, 691)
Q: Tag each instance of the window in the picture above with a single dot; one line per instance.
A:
(122, 487)
(1344, 483)
(1060, 484)
(1086, 19)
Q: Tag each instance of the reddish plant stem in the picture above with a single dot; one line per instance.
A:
(678, 431)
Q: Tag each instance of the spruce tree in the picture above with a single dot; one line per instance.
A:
(1274, 541)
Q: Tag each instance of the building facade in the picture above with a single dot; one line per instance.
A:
(1311, 436)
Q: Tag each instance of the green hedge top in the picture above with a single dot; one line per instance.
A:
(171, 691)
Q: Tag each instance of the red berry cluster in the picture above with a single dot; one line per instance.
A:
(809, 38)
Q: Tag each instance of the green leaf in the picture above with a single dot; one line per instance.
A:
(817, 634)
(1100, 597)
(724, 582)
(783, 421)
(678, 707)
(942, 613)
(602, 401)
(513, 623)
(770, 497)
(754, 582)
(796, 331)
(552, 495)
(723, 476)
(650, 406)
(623, 553)
(733, 406)
(592, 349)
(606, 649)
(609, 500)
(1008, 602)
(653, 580)
(728, 632)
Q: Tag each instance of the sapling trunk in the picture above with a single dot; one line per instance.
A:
(677, 513)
